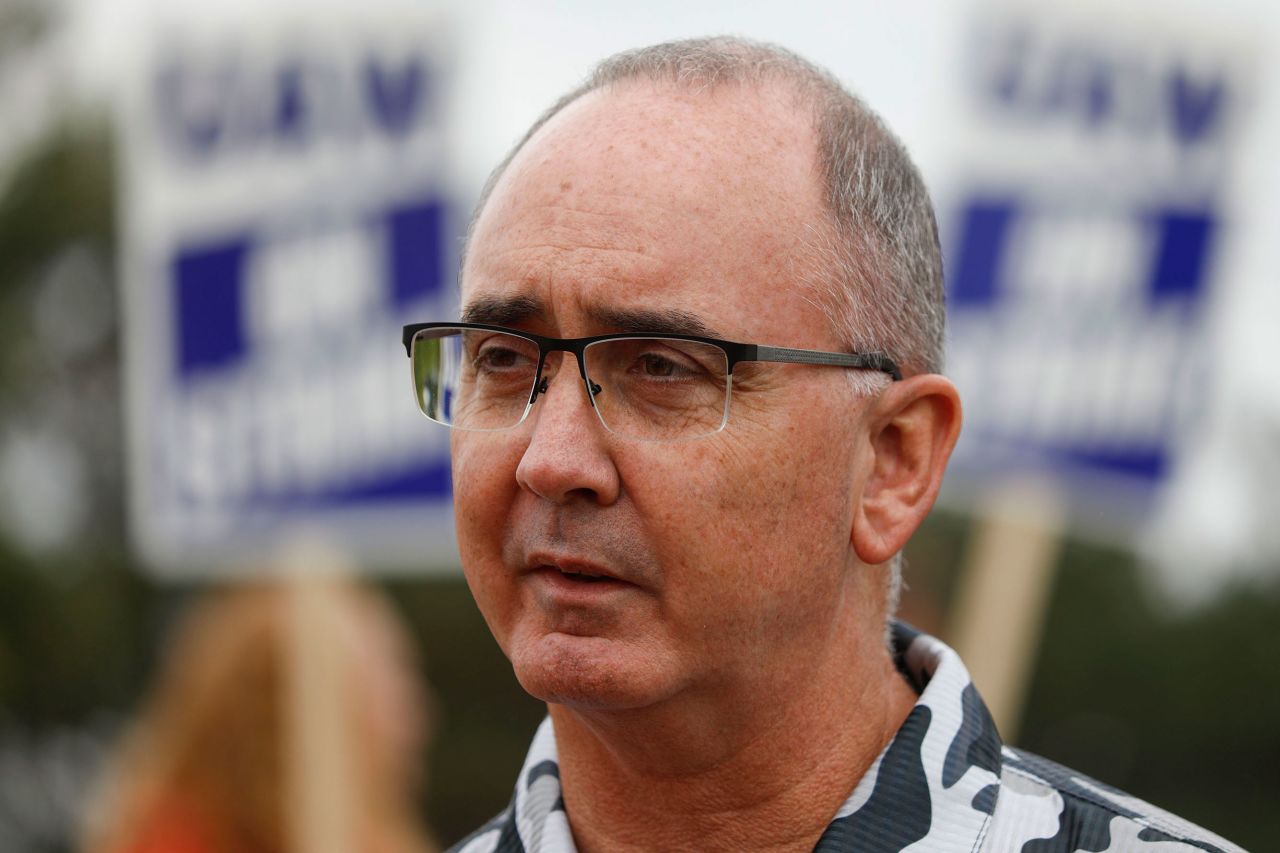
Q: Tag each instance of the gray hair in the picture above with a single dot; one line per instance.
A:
(876, 270)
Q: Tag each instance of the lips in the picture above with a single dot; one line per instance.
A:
(577, 571)
(585, 577)
(574, 571)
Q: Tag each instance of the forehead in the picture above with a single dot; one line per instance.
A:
(653, 198)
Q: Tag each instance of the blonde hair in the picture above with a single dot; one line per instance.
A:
(216, 733)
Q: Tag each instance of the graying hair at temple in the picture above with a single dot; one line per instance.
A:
(877, 273)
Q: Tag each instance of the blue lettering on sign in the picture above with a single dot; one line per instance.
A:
(1183, 250)
(1075, 280)
(195, 121)
(290, 104)
(1176, 275)
(1196, 105)
(221, 106)
(1042, 76)
(395, 96)
(291, 417)
(208, 284)
(207, 302)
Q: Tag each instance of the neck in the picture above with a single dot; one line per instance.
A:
(760, 770)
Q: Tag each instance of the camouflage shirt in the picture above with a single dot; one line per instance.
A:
(945, 782)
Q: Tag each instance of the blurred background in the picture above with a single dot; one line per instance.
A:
(214, 219)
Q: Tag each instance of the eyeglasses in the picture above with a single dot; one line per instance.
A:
(651, 387)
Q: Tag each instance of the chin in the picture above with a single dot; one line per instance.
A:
(588, 673)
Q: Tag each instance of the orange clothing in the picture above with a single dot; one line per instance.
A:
(175, 828)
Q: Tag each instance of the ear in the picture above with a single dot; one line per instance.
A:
(913, 425)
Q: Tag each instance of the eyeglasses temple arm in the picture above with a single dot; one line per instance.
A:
(869, 361)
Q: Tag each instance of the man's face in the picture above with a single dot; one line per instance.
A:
(726, 560)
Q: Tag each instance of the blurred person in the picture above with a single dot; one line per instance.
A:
(696, 416)
(212, 763)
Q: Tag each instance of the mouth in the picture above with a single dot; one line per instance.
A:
(581, 576)
(578, 574)
(575, 574)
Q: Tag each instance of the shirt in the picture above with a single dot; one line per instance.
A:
(945, 782)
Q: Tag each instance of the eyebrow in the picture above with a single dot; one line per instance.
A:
(671, 321)
(513, 310)
(503, 310)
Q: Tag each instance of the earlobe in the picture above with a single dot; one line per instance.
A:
(912, 431)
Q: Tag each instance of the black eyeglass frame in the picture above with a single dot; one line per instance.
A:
(734, 351)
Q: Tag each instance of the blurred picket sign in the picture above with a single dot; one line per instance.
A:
(287, 205)
(1089, 214)
(1090, 220)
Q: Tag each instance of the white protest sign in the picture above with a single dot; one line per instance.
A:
(287, 207)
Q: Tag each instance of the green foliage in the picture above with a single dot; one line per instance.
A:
(1176, 707)
(73, 640)
(63, 192)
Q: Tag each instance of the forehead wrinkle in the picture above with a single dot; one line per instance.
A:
(555, 243)
(553, 231)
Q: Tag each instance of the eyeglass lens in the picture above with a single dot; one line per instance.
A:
(658, 389)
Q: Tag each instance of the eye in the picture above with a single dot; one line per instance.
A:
(503, 354)
(671, 359)
(497, 357)
(652, 364)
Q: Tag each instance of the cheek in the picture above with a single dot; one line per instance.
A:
(484, 484)
(484, 488)
(752, 554)
(740, 516)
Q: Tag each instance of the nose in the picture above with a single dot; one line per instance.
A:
(568, 454)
